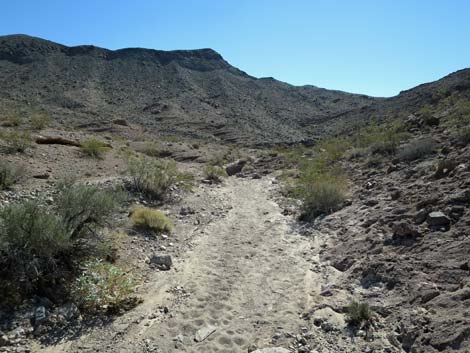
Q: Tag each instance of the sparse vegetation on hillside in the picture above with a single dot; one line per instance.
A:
(40, 120)
(214, 173)
(359, 313)
(94, 147)
(154, 178)
(416, 149)
(9, 174)
(17, 141)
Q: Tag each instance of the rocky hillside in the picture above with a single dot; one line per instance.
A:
(186, 92)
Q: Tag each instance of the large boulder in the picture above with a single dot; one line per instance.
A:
(438, 219)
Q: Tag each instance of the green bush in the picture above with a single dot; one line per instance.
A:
(82, 208)
(40, 120)
(9, 174)
(417, 149)
(154, 178)
(94, 147)
(214, 173)
(382, 139)
(358, 313)
(17, 141)
(464, 135)
(151, 219)
(322, 188)
(103, 287)
(33, 229)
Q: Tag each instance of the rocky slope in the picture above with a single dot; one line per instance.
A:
(184, 92)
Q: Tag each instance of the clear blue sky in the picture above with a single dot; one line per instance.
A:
(375, 47)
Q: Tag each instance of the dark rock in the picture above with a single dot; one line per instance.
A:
(427, 202)
(371, 202)
(421, 216)
(462, 197)
(40, 315)
(395, 195)
(437, 219)
(163, 262)
(429, 295)
(235, 168)
(404, 229)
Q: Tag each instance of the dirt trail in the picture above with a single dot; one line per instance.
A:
(247, 276)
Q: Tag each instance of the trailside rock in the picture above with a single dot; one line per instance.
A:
(163, 262)
(437, 219)
(235, 168)
(203, 333)
(272, 350)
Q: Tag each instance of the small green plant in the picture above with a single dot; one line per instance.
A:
(214, 173)
(94, 147)
(154, 178)
(18, 141)
(103, 287)
(148, 218)
(40, 120)
(359, 313)
(417, 149)
(9, 174)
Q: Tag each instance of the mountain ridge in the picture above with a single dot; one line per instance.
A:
(192, 93)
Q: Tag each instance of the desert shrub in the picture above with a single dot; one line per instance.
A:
(94, 147)
(83, 207)
(12, 119)
(214, 173)
(40, 120)
(18, 141)
(463, 135)
(32, 240)
(9, 174)
(382, 139)
(321, 187)
(358, 313)
(356, 153)
(154, 178)
(103, 287)
(32, 228)
(148, 218)
(417, 149)
(334, 148)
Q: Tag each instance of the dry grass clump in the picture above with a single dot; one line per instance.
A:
(149, 218)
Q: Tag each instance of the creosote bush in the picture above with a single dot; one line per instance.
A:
(103, 287)
(94, 147)
(41, 247)
(154, 178)
(148, 218)
(359, 313)
(9, 174)
(417, 149)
